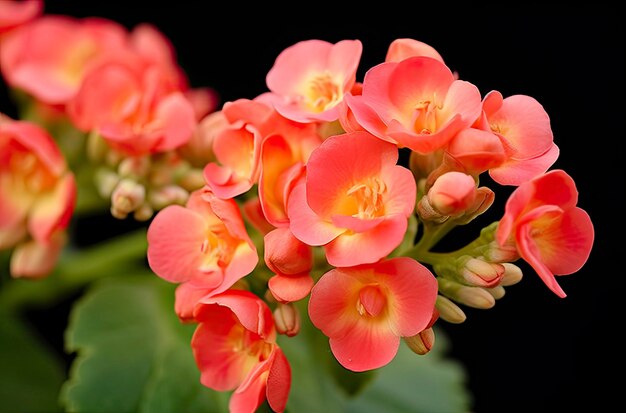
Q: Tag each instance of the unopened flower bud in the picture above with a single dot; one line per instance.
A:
(422, 342)
(449, 311)
(106, 181)
(192, 180)
(287, 319)
(134, 167)
(482, 202)
(512, 274)
(427, 213)
(480, 273)
(127, 197)
(167, 195)
(494, 252)
(496, 292)
(475, 297)
(143, 213)
(452, 193)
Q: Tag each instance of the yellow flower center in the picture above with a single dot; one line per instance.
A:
(368, 198)
(322, 93)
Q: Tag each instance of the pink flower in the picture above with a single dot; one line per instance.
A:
(49, 57)
(550, 232)
(37, 196)
(355, 201)
(133, 107)
(365, 310)
(16, 13)
(235, 348)
(401, 49)
(204, 243)
(309, 79)
(415, 103)
(513, 140)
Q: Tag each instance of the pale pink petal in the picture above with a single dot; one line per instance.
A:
(366, 117)
(287, 289)
(175, 239)
(403, 84)
(401, 190)
(492, 102)
(350, 249)
(413, 289)
(525, 124)
(332, 307)
(565, 244)
(401, 49)
(108, 94)
(305, 224)
(355, 224)
(366, 346)
(341, 162)
(294, 64)
(178, 120)
(516, 172)
(463, 98)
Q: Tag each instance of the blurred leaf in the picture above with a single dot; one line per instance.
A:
(134, 355)
(30, 373)
(409, 384)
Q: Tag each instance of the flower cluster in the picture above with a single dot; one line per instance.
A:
(325, 191)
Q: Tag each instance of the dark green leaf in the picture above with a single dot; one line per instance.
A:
(30, 373)
(133, 353)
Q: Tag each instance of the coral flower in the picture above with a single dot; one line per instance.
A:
(204, 243)
(355, 201)
(235, 348)
(37, 196)
(415, 103)
(550, 232)
(513, 140)
(50, 57)
(15, 13)
(365, 310)
(134, 108)
(309, 79)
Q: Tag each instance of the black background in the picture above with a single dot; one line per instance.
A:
(533, 351)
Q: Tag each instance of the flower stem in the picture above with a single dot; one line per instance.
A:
(76, 268)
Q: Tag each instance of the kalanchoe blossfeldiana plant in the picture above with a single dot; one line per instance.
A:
(318, 205)
(340, 213)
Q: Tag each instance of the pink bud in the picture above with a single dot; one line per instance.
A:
(422, 342)
(452, 193)
(285, 254)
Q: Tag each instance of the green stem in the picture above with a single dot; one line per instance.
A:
(76, 269)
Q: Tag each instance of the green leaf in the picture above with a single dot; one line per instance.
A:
(409, 384)
(30, 373)
(134, 355)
